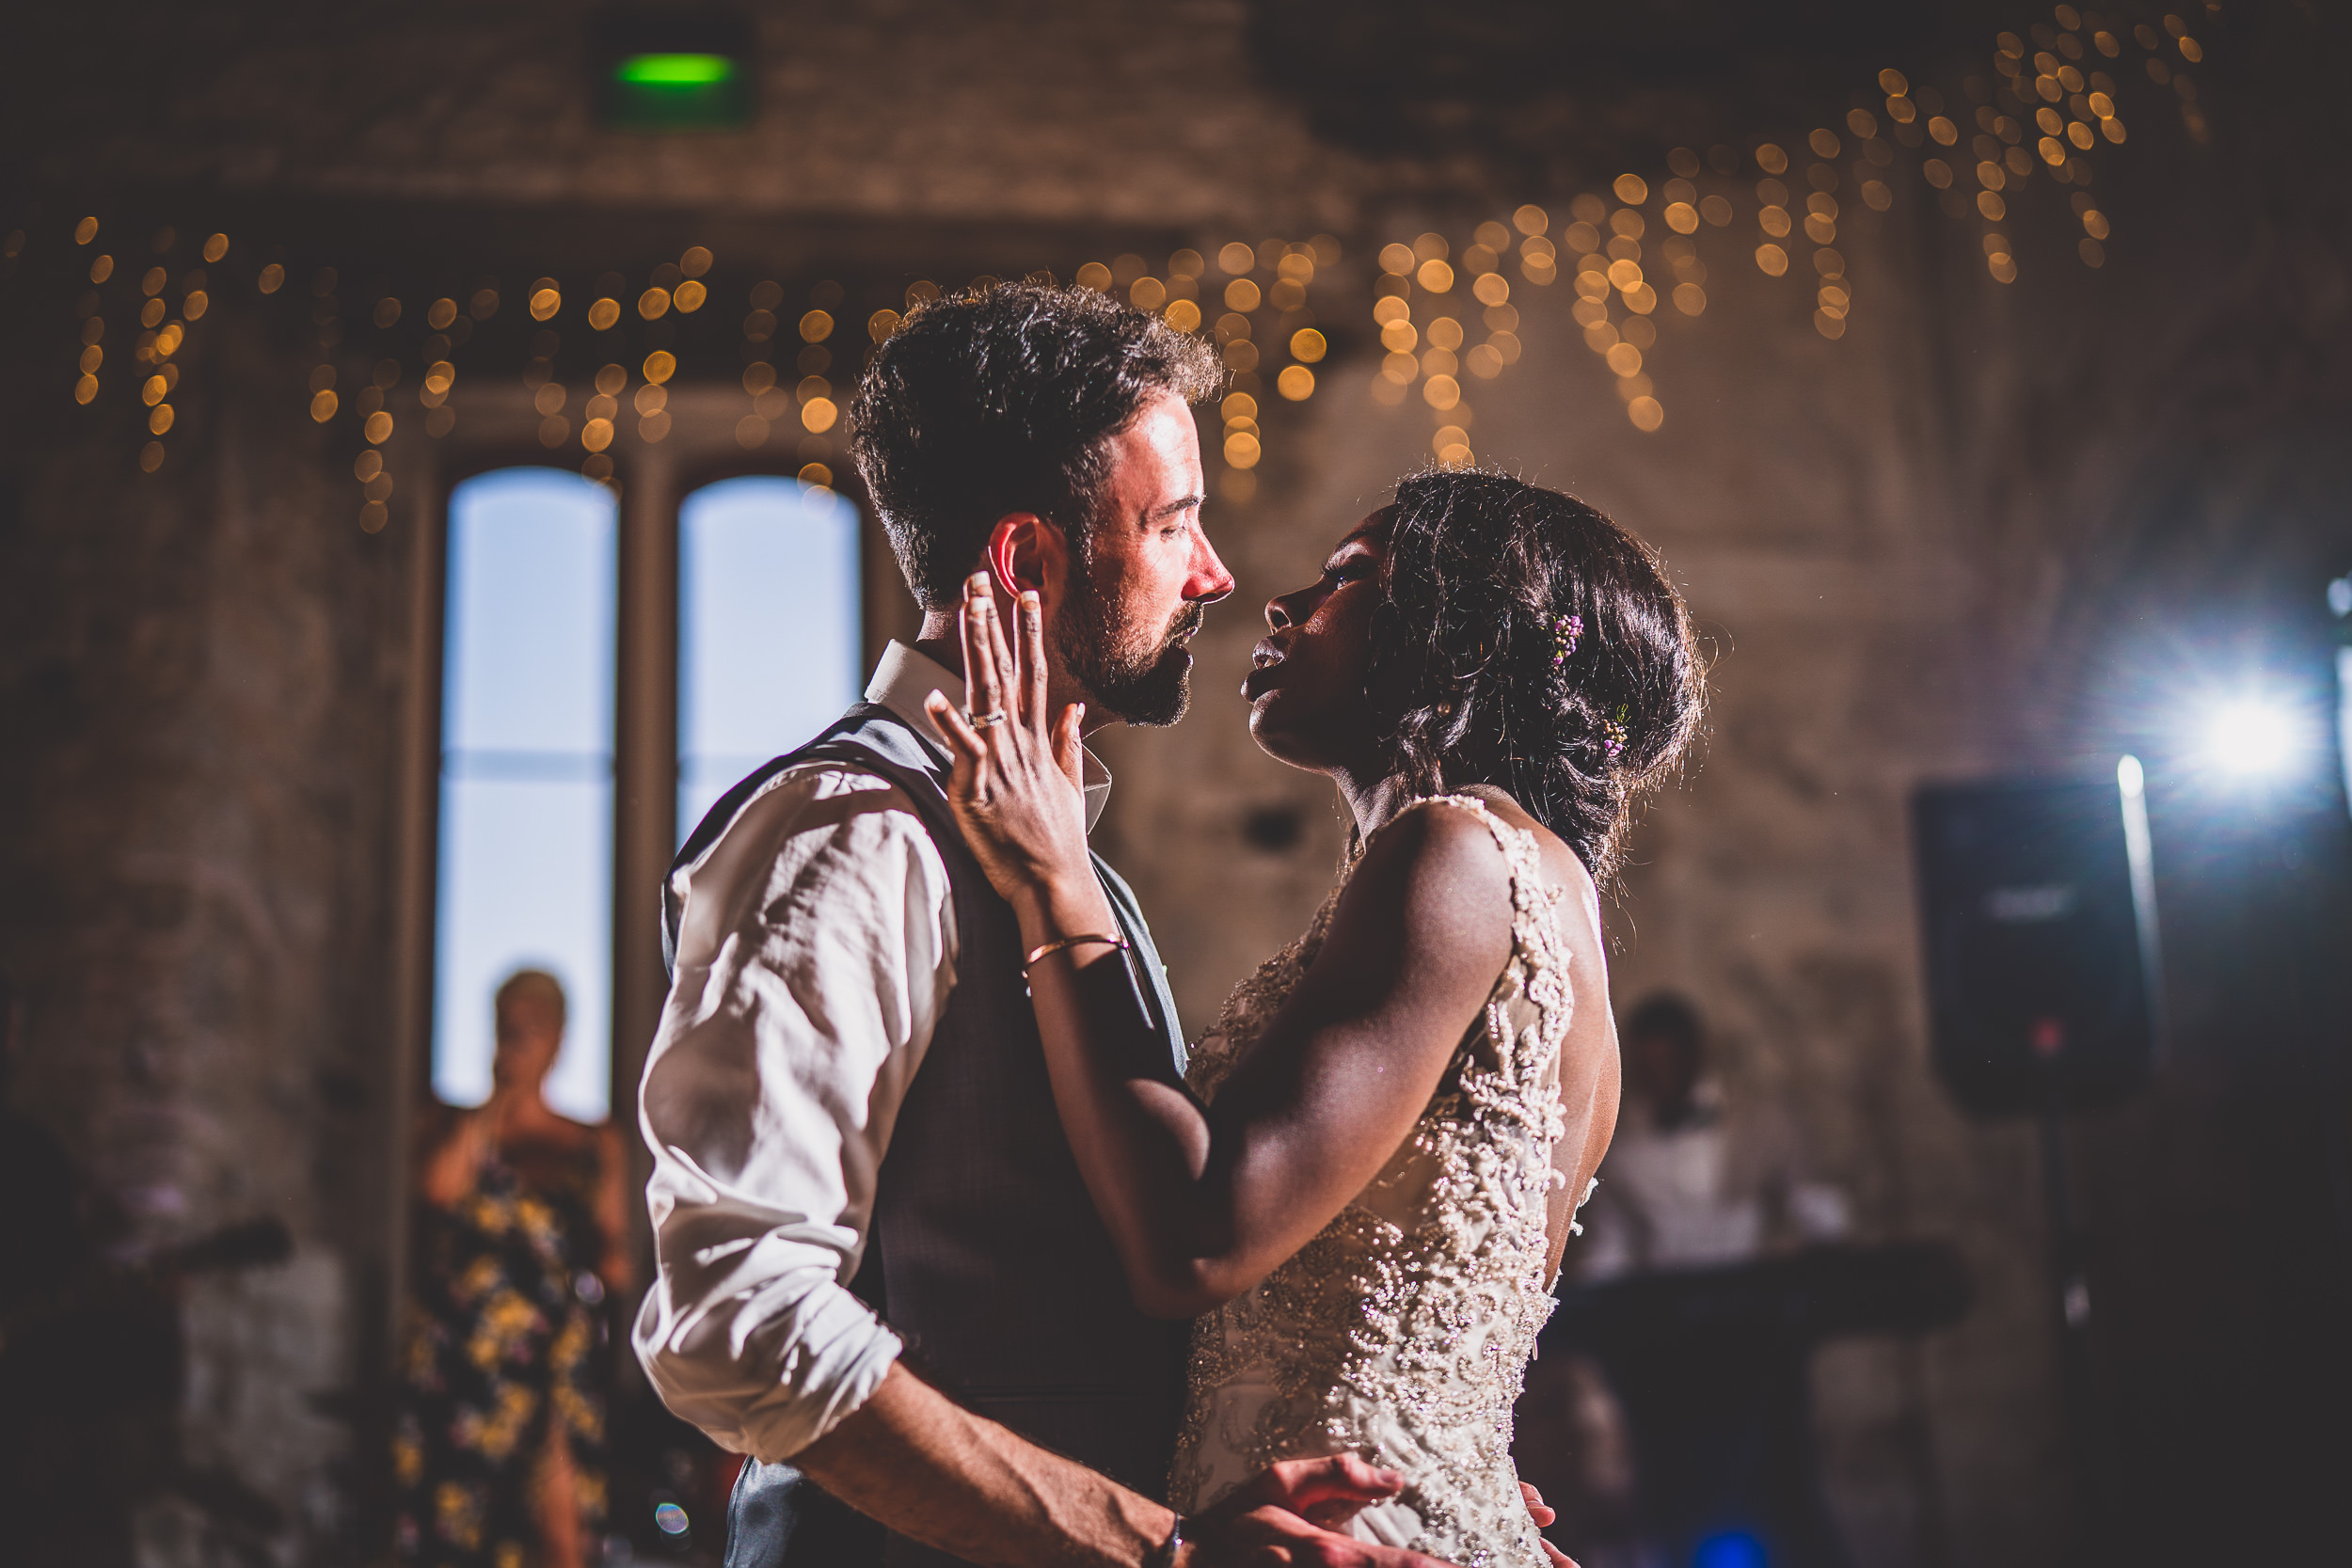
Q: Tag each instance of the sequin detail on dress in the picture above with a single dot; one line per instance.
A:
(1403, 1331)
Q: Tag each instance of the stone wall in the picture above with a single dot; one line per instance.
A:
(199, 667)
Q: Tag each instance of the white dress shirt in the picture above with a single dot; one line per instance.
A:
(815, 953)
(1718, 1188)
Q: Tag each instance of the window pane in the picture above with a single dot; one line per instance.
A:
(768, 628)
(526, 851)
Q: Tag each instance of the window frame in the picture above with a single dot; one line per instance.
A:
(497, 427)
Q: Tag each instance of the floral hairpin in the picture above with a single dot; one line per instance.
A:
(1613, 733)
(1566, 633)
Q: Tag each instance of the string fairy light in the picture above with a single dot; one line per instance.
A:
(93, 321)
(814, 393)
(1450, 311)
(759, 370)
(1252, 299)
(598, 415)
(2046, 107)
(1262, 295)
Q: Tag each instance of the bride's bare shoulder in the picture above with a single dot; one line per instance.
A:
(1444, 835)
(1440, 870)
(1561, 863)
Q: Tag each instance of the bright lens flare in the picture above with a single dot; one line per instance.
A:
(2252, 738)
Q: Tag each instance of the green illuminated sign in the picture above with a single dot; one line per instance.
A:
(677, 92)
(675, 71)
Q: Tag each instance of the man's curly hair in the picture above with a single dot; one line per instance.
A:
(1002, 400)
(1466, 678)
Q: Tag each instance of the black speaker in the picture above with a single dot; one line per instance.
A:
(2037, 907)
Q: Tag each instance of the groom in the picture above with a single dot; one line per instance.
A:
(879, 1272)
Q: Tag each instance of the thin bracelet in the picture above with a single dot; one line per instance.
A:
(1040, 951)
(1165, 1556)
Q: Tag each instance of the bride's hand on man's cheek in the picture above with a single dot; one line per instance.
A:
(1014, 788)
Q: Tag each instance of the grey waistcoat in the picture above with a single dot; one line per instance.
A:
(984, 1252)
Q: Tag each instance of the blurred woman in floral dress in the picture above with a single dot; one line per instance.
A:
(500, 1440)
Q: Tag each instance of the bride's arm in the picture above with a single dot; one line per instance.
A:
(1203, 1202)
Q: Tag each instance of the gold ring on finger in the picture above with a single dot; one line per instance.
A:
(982, 720)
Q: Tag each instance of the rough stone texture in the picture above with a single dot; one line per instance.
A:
(197, 674)
(1934, 548)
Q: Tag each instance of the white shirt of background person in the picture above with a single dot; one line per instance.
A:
(1715, 1188)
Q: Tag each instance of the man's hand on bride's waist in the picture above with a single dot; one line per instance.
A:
(1292, 1513)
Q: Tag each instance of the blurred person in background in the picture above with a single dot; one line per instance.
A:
(1708, 1365)
(500, 1441)
(1695, 1181)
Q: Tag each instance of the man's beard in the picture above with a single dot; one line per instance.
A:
(1151, 687)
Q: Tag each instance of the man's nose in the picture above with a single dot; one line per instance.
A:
(1209, 581)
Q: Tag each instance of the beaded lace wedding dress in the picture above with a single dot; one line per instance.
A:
(1402, 1332)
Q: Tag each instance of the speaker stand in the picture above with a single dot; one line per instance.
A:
(2068, 1274)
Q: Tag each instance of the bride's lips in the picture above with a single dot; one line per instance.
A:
(1266, 659)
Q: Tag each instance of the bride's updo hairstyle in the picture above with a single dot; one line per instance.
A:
(1528, 643)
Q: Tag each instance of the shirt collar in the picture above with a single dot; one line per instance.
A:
(904, 678)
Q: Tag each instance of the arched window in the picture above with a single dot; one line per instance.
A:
(525, 863)
(769, 649)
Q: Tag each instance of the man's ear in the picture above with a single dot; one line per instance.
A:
(1028, 551)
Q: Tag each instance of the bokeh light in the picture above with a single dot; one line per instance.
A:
(2251, 736)
(1732, 1549)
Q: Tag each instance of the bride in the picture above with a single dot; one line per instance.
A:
(1364, 1191)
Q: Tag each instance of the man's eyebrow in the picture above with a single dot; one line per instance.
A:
(1182, 503)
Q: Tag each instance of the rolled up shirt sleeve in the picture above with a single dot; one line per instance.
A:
(815, 951)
